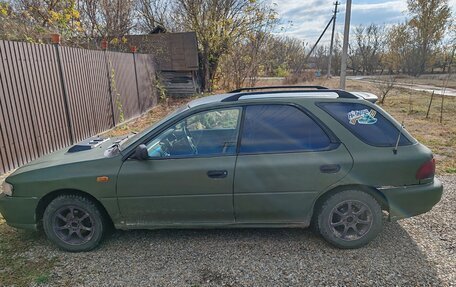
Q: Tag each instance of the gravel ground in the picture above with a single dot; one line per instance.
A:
(418, 251)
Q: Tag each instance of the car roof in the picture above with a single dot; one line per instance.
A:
(282, 92)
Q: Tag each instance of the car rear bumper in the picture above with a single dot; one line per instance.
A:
(408, 201)
(19, 211)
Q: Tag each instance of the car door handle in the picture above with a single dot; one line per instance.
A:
(217, 173)
(329, 168)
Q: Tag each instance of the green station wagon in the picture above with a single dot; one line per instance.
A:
(250, 158)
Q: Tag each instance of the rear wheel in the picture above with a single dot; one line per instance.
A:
(73, 223)
(349, 219)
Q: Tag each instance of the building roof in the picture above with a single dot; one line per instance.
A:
(172, 51)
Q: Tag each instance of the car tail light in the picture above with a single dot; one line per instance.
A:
(426, 170)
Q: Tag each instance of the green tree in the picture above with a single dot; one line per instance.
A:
(401, 51)
(429, 19)
(34, 20)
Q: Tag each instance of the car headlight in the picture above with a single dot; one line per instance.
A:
(7, 189)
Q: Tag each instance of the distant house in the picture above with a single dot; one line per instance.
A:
(176, 58)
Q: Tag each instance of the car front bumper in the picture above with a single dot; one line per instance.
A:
(411, 200)
(19, 212)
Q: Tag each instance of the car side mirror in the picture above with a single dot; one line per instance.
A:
(141, 152)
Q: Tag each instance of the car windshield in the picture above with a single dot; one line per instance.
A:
(132, 138)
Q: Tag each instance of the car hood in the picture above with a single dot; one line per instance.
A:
(63, 157)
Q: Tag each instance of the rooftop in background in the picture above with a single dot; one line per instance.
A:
(173, 51)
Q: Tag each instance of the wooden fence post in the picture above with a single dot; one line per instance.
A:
(55, 38)
(430, 103)
(104, 47)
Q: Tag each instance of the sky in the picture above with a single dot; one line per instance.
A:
(306, 19)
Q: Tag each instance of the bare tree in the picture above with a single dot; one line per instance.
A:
(219, 24)
(107, 18)
(385, 86)
(368, 47)
(153, 13)
(282, 55)
(321, 57)
(244, 62)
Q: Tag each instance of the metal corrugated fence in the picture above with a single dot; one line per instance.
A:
(53, 96)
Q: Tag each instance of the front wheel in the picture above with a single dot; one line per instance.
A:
(73, 223)
(350, 219)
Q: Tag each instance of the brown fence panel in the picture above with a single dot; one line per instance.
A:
(123, 86)
(101, 90)
(30, 104)
(86, 79)
(52, 96)
(58, 130)
(145, 74)
(8, 153)
(16, 141)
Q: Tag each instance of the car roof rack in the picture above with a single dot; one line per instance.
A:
(277, 87)
(340, 93)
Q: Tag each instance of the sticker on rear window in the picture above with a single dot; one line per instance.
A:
(363, 117)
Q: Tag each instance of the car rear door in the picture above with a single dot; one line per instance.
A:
(286, 157)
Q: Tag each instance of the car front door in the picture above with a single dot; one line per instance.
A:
(188, 177)
(285, 159)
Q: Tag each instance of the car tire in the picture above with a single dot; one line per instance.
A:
(74, 223)
(349, 219)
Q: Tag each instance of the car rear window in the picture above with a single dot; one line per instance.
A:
(280, 128)
(366, 123)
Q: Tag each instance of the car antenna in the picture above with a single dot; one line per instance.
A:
(399, 137)
(402, 127)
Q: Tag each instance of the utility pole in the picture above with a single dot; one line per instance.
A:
(319, 38)
(301, 66)
(332, 39)
(343, 68)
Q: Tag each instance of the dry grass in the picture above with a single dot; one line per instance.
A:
(154, 115)
(432, 80)
(18, 265)
(440, 137)
(400, 102)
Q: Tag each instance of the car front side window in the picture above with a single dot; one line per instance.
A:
(209, 133)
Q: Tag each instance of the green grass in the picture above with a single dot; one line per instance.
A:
(17, 266)
(42, 279)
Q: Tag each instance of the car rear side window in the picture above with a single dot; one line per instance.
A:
(365, 123)
(280, 128)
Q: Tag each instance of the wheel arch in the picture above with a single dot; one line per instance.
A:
(375, 193)
(48, 198)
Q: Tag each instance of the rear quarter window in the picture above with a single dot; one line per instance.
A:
(366, 123)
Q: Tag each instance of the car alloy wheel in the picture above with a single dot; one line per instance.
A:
(350, 220)
(73, 225)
